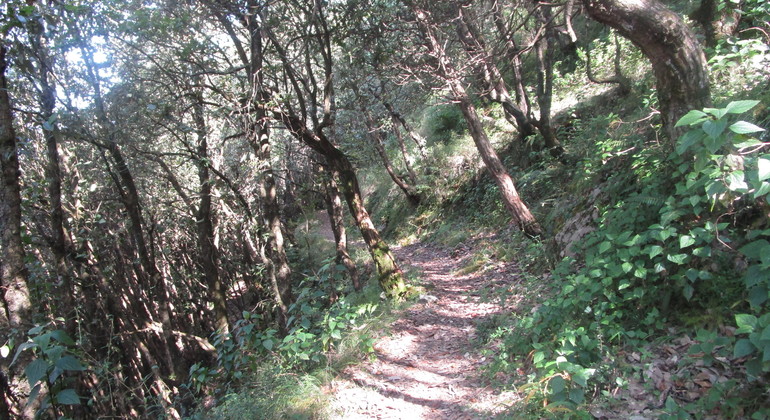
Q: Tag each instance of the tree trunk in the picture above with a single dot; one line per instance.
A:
(336, 219)
(518, 210)
(278, 268)
(60, 243)
(676, 56)
(404, 153)
(209, 258)
(374, 134)
(15, 313)
(516, 207)
(497, 91)
(390, 276)
(544, 52)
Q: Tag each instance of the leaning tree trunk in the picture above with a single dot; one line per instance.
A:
(409, 191)
(676, 56)
(390, 276)
(516, 207)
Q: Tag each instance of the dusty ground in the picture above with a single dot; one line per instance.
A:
(427, 368)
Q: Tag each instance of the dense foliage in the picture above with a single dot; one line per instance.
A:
(169, 169)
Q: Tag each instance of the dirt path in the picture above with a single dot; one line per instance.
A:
(428, 367)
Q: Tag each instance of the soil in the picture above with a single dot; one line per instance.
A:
(428, 366)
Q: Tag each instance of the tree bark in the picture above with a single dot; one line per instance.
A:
(209, 254)
(518, 210)
(390, 276)
(278, 268)
(677, 59)
(336, 219)
(16, 298)
(497, 91)
(374, 133)
(60, 243)
(15, 313)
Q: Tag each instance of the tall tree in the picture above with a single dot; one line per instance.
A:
(15, 313)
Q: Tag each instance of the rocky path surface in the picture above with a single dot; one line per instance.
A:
(427, 368)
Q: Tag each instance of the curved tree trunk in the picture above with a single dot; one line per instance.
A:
(497, 91)
(389, 274)
(677, 59)
(408, 190)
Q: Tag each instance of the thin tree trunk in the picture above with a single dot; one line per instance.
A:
(678, 61)
(413, 134)
(374, 134)
(59, 243)
(337, 221)
(390, 276)
(518, 210)
(209, 258)
(404, 152)
(544, 53)
(279, 271)
(489, 72)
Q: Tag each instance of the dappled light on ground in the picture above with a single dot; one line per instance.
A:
(428, 368)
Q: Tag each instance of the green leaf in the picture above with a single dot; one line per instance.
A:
(33, 394)
(686, 241)
(755, 249)
(688, 291)
(692, 117)
(626, 266)
(757, 296)
(763, 168)
(736, 182)
(35, 371)
(745, 144)
(62, 337)
(743, 127)
(739, 107)
(68, 397)
(604, 247)
(655, 250)
(268, 344)
(557, 384)
(716, 112)
(677, 259)
(745, 322)
(764, 189)
(69, 363)
(743, 348)
(688, 140)
(765, 334)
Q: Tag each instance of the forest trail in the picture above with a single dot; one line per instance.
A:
(428, 367)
